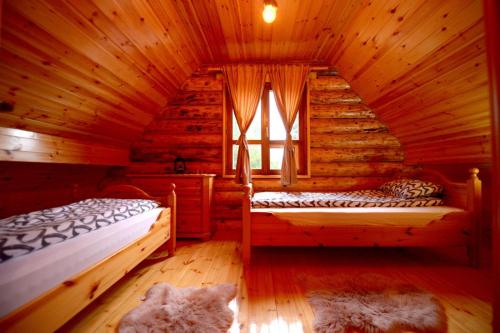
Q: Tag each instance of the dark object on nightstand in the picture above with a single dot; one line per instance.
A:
(179, 165)
(6, 106)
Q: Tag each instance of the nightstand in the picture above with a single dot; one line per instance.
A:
(194, 200)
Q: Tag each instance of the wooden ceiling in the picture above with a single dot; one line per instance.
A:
(102, 69)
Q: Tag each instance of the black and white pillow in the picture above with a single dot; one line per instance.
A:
(360, 198)
(411, 188)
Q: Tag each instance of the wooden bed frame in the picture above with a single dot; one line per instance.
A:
(263, 228)
(55, 307)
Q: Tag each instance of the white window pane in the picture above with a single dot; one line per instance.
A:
(236, 129)
(235, 156)
(255, 152)
(276, 128)
(254, 131)
(255, 156)
(295, 128)
(276, 158)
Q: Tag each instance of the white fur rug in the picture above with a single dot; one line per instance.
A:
(168, 309)
(372, 304)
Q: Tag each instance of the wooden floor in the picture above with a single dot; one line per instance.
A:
(272, 295)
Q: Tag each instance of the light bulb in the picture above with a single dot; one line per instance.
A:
(269, 13)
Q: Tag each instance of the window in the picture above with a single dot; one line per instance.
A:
(266, 137)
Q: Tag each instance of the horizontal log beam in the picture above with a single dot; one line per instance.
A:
(322, 155)
(185, 126)
(202, 83)
(187, 140)
(169, 154)
(356, 140)
(320, 184)
(193, 112)
(197, 98)
(319, 111)
(340, 126)
(334, 97)
(356, 169)
(328, 83)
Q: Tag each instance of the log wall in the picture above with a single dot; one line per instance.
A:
(350, 147)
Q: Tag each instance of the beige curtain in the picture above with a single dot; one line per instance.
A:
(245, 83)
(288, 83)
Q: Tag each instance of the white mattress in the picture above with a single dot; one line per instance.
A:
(27, 277)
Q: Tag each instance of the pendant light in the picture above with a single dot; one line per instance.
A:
(269, 12)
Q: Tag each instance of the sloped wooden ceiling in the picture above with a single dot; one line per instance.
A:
(424, 73)
(104, 68)
(100, 69)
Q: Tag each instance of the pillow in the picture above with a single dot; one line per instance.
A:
(411, 188)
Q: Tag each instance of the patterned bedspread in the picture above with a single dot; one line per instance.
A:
(364, 198)
(25, 233)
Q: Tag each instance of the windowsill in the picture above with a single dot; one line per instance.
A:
(268, 176)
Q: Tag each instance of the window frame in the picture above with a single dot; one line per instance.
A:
(303, 144)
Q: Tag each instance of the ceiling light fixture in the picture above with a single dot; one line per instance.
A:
(269, 12)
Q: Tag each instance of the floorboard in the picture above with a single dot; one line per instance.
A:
(272, 293)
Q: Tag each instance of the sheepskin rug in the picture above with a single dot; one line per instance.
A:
(168, 309)
(372, 303)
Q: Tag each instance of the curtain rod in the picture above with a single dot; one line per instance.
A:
(313, 67)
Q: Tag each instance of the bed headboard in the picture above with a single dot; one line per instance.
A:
(125, 191)
(466, 195)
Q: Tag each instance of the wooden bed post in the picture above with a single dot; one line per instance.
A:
(474, 206)
(246, 227)
(172, 203)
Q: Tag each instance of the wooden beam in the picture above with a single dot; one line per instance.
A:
(25, 146)
(492, 17)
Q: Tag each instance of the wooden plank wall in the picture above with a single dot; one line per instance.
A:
(26, 146)
(350, 148)
(26, 187)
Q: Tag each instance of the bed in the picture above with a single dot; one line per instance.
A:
(296, 219)
(46, 286)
